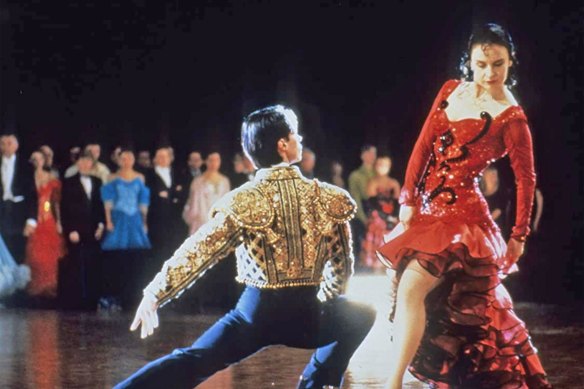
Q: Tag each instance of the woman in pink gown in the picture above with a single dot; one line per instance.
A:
(204, 192)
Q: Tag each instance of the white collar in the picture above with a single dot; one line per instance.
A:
(10, 159)
(162, 169)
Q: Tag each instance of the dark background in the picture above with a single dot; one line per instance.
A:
(185, 72)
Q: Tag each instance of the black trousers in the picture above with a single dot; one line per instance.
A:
(80, 276)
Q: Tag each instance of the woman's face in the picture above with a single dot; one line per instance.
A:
(213, 162)
(48, 153)
(490, 65)
(37, 159)
(382, 166)
(491, 179)
(127, 160)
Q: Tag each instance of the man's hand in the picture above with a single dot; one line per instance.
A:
(146, 315)
(99, 232)
(74, 237)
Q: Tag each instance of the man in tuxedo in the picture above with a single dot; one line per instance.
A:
(167, 199)
(18, 197)
(194, 169)
(83, 224)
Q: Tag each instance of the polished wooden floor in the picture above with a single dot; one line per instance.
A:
(46, 349)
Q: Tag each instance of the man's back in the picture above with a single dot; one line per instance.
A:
(293, 225)
(288, 231)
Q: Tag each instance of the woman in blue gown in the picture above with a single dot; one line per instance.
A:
(126, 199)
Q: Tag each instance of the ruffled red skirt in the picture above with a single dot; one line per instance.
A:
(473, 339)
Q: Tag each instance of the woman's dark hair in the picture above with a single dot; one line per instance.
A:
(262, 129)
(127, 149)
(490, 34)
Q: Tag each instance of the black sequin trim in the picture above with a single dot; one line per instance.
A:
(447, 140)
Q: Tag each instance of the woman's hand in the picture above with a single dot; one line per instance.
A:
(515, 250)
(146, 316)
(405, 215)
(109, 226)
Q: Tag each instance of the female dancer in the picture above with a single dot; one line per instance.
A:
(451, 306)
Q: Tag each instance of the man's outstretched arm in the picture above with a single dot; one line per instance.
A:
(201, 251)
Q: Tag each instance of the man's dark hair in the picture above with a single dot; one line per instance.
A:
(367, 147)
(262, 129)
(85, 154)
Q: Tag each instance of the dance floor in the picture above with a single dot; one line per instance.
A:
(44, 349)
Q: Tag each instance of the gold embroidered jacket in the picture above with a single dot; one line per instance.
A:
(287, 231)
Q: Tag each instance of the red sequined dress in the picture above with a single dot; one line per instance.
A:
(45, 246)
(473, 339)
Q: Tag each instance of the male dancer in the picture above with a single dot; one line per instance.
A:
(293, 248)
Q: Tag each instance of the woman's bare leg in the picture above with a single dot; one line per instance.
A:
(410, 319)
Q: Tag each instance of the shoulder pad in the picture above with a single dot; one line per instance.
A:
(248, 207)
(336, 202)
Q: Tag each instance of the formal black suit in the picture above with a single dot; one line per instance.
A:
(14, 213)
(165, 226)
(80, 272)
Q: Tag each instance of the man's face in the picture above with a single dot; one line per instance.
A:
(368, 156)
(248, 164)
(144, 159)
(195, 160)
(238, 166)
(308, 161)
(163, 158)
(8, 145)
(84, 164)
(95, 150)
(293, 147)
